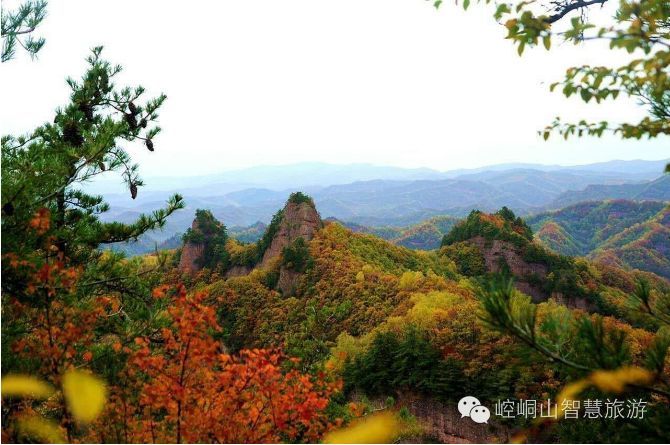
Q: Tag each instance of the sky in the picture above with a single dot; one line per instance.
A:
(387, 82)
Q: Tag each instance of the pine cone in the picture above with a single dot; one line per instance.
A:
(132, 108)
(143, 123)
(71, 134)
(132, 122)
(133, 191)
(150, 145)
(87, 109)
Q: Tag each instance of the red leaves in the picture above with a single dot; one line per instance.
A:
(41, 221)
(207, 395)
(60, 338)
(160, 291)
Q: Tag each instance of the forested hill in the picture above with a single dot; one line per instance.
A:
(622, 232)
(401, 327)
(425, 235)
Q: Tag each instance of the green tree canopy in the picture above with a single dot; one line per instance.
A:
(46, 171)
(212, 234)
(18, 27)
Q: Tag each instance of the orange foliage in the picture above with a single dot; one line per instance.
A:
(41, 221)
(496, 220)
(60, 335)
(190, 390)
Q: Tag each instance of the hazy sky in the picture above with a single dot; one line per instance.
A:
(390, 82)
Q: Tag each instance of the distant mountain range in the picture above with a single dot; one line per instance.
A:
(392, 196)
(652, 190)
(314, 175)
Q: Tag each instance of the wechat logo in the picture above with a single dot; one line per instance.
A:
(471, 407)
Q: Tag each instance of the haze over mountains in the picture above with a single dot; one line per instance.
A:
(388, 196)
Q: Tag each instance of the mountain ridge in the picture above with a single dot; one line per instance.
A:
(402, 203)
(625, 233)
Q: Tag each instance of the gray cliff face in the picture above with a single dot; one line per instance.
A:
(299, 221)
(499, 251)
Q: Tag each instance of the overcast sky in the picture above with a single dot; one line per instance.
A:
(389, 82)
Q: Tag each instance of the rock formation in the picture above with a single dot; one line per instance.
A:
(238, 271)
(191, 253)
(527, 275)
(444, 424)
(497, 251)
(300, 220)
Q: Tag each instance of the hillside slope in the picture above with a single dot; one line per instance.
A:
(644, 246)
(425, 235)
(402, 325)
(622, 232)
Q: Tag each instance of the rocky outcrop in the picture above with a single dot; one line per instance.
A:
(191, 253)
(498, 253)
(238, 271)
(300, 220)
(444, 424)
(288, 281)
(441, 422)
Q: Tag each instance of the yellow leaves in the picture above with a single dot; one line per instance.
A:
(85, 395)
(39, 428)
(410, 280)
(25, 386)
(511, 23)
(378, 428)
(615, 381)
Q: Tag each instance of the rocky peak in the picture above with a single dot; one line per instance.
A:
(204, 244)
(504, 244)
(191, 252)
(298, 219)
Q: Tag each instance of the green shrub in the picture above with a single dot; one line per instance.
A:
(299, 198)
(269, 234)
(295, 256)
(503, 225)
(468, 258)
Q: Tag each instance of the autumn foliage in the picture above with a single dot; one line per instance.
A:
(173, 383)
(190, 390)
